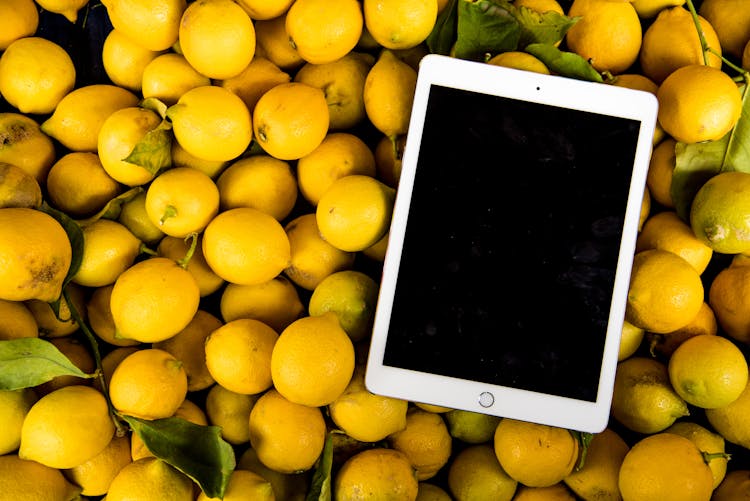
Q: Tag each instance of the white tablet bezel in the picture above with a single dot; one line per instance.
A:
(477, 396)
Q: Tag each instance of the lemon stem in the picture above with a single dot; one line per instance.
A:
(169, 211)
(145, 249)
(710, 456)
(183, 263)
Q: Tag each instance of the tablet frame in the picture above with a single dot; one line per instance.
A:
(475, 396)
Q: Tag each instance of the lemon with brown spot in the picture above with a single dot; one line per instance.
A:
(18, 188)
(25, 145)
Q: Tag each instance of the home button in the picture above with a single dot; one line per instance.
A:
(486, 399)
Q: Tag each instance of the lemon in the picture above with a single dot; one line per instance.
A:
(109, 248)
(35, 74)
(599, 475)
(643, 400)
(149, 384)
(66, 427)
(520, 61)
(124, 60)
(18, 188)
(100, 317)
(111, 360)
(355, 212)
(400, 24)
(244, 484)
(273, 44)
(211, 123)
(79, 115)
(389, 94)
(717, 213)
(181, 158)
(708, 442)
(340, 154)
(730, 23)
(342, 81)
(386, 473)
(133, 216)
(153, 300)
(471, 427)
(78, 185)
(238, 355)
(431, 492)
(29, 480)
(704, 323)
(292, 486)
(425, 441)
(188, 346)
(150, 478)
(540, 5)
(648, 9)
(365, 416)
(661, 171)
(728, 295)
(323, 31)
(475, 474)
(557, 492)
(231, 412)
(36, 254)
(153, 25)
(630, 340)
(667, 231)
(178, 248)
(261, 182)
(25, 145)
(58, 324)
(312, 361)
(735, 485)
(351, 295)
(645, 208)
(731, 421)
(312, 258)
(265, 9)
(437, 409)
(18, 19)
(18, 321)
(645, 475)
(95, 475)
(388, 154)
(14, 406)
(168, 76)
(246, 246)
(275, 302)
(217, 38)
(67, 8)
(377, 250)
(291, 120)
(287, 437)
(258, 77)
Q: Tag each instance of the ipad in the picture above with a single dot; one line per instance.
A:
(504, 284)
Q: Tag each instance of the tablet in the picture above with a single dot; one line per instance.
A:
(504, 284)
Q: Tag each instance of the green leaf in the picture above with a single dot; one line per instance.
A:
(567, 64)
(154, 151)
(112, 209)
(443, 34)
(696, 163)
(548, 27)
(584, 439)
(320, 486)
(28, 362)
(75, 237)
(155, 105)
(485, 27)
(197, 451)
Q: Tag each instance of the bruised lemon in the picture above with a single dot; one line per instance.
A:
(719, 213)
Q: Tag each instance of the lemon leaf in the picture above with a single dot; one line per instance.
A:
(485, 27)
(154, 151)
(320, 486)
(112, 208)
(567, 64)
(536, 27)
(443, 34)
(75, 237)
(155, 105)
(197, 451)
(28, 362)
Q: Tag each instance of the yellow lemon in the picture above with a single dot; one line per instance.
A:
(731, 23)
(217, 37)
(66, 427)
(728, 296)
(153, 25)
(355, 212)
(718, 212)
(377, 250)
(36, 254)
(475, 474)
(246, 246)
(431, 492)
(365, 416)
(400, 24)
(541, 5)
(79, 115)
(352, 296)
(133, 216)
(312, 258)
(153, 300)
(265, 9)
(736, 484)
(703, 323)
(648, 9)
(630, 340)
(388, 155)
(557, 492)
(14, 406)
(95, 475)
(661, 171)
(62, 323)
(643, 399)
(150, 478)
(520, 61)
(111, 360)
(22, 479)
(18, 188)
(599, 475)
(731, 421)
(188, 346)
(168, 76)
(665, 230)
(258, 77)
(313, 361)
(67, 8)
(149, 384)
(340, 154)
(100, 319)
(18, 321)
(292, 486)
(389, 94)
(425, 441)
(323, 31)
(244, 484)
(261, 182)
(273, 43)
(287, 437)
(343, 82)
(178, 248)
(708, 442)
(35, 74)
(108, 249)
(275, 302)
(437, 409)
(386, 473)
(18, 19)
(645, 475)
(291, 120)
(211, 123)
(181, 158)
(231, 412)
(124, 60)
(78, 185)
(25, 145)
(471, 427)
(238, 355)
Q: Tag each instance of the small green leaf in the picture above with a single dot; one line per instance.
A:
(485, 27)
(197, 451)
(443, 35)
(155, 105)
(320, 486)
(75, 236)
(154, 151)
(112, 209)
(541, 27)
(584, 439)
(28, 362)
(567, 64)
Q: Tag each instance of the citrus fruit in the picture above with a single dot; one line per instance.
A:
(150, 478)
(388, 155)
(557, 492)
(707, 442)
(475, 474)
(630, 340)
(18, 321)
(78, 185)
(178, 249)
(181, 158)
(648, 9)
(718, 212)
(730, 22)
(100, 320)
(728, 297)
(386, 473)
(133, 216)
(471, 427)
(109, 248)
(661, 171)
(18, 188)
(258, 77)
(520, 61)
(54, 324)
(431, 492)
(323, 31)
(25, 145)
(244, 484)
(14, 406)
(124, 60)
(153, 25)
(275, 302)
(272, 42)
(22, 479)
(425, 441)
(704, 323)
(95, 475)
(667, 231)
(285, 485)
(600, 471)
(736, 484)
(231, 412)
(168, 76)
(400, 24)
(389, 94)
(731, 421)
(351, 295)
(18, 19)
(265, 9)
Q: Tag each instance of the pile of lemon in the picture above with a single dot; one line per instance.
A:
(200, 236)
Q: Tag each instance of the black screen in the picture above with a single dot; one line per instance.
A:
(511, 245)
